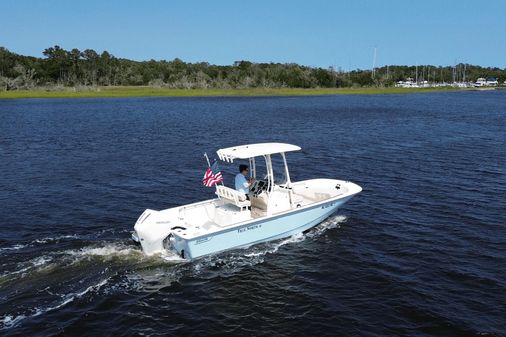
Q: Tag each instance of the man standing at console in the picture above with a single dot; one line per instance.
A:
(241, 183)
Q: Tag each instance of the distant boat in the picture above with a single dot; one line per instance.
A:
(492, 81)
(461, 85)
(486, 82)
(409, 83)
(480, 82)
(274, 208)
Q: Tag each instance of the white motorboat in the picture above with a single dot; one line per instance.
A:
(277, 208)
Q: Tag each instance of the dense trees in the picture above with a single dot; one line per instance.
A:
(61, 67)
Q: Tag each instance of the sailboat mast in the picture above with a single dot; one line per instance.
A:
(374, 64)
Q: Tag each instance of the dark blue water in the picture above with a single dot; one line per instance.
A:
(420, 252)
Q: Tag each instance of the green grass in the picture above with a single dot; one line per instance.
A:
(143, 91)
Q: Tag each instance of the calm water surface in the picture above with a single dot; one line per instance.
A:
(420, 252)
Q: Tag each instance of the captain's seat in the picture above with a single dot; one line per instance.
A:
(232, 196)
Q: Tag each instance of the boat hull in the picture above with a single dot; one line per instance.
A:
(257, 231)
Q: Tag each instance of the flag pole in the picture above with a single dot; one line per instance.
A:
(209, 165)
(207, 158)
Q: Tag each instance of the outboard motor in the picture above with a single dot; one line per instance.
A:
(151, 231)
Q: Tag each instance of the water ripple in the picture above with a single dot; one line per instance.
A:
(419, 252)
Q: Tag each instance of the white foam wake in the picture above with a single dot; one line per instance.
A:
(14, 247)
(63, 258)
(110, 249)
(25, 267)
(53, 239)
(274, 247)
(9, 321)
(329, 223)
(35, 242)
(172, 257)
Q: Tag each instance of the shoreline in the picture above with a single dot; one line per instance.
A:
(145, 91)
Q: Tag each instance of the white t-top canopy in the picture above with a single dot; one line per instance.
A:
(254, 150)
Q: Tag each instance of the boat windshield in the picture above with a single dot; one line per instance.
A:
(278, 168)
(258, 169)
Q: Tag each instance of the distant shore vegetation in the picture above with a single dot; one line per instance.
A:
(90, 71)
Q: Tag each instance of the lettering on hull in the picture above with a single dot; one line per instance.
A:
(248, 228)
(203, 240)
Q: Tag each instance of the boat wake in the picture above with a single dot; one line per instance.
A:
(63, 277)
(228, 263)
(104, 252)
(48, 240)
(35, 242)
(11, 320)
(67, 275)
(329, 223)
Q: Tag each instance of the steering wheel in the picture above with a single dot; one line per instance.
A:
(254, 187)
(258, 187)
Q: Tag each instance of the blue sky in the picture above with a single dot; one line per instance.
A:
(316, 33)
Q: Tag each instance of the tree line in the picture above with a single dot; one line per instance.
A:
(72, 68)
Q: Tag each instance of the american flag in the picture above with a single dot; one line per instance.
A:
(212, 175)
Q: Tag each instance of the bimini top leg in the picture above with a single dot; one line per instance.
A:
(287, 173)
(253, 171)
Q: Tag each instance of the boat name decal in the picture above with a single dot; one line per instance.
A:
(248, 228)
(327, 205)
(202, 240)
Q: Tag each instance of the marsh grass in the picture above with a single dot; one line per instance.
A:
(146, 91)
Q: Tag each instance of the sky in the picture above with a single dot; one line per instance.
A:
(342, 34)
